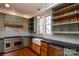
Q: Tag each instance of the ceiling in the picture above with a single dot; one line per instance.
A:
(26, 10)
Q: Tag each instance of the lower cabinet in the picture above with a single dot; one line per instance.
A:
(55, 50)
(44, 49)
(47, 49)
(51, 50)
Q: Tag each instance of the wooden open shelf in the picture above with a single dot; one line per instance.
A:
(68, 21)
(68, 15)
(13, 25)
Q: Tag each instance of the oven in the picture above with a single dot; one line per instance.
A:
(18, 43)
(12, 40)
(11, 44)
(8, 44)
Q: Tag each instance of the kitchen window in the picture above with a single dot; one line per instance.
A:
(41, 25)
(44, 25)
(48, 25)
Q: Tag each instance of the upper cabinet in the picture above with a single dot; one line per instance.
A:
(31, 25)
(17, 21)
(13, 19)
(25, 24)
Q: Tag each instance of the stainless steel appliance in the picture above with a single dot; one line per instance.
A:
(8, 45)
(13, 39)
(11, 44)
(17, 43)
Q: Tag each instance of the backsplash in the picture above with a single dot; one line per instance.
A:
(65, 38)
(12, 31)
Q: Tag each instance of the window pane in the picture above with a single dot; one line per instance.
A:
(41, 25)
(44, 25)
(48, 29)
(48, 20)
(48, 25)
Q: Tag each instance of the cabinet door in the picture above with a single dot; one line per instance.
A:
(44, 52)
(9, 18)
(44, 49)
(37, 48)
(55, 51)
(25, 42)
(30, 43)
(43, 44)
(1, 46)
(33, 46)
(25, 25)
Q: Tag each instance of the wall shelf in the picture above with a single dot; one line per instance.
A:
(68, 15)
(59, 6)
(14, 25)
(66, 23)
(74, 6)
